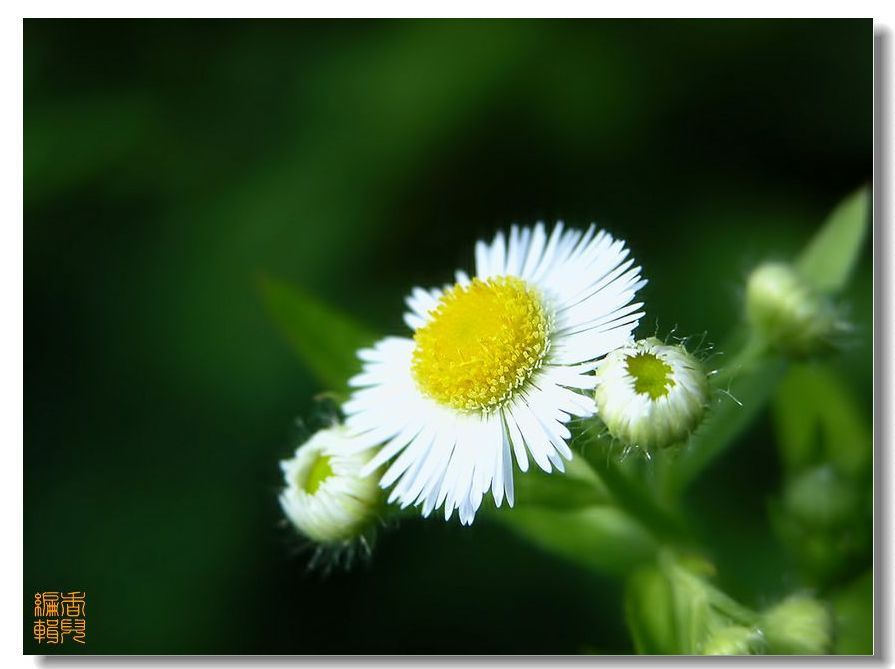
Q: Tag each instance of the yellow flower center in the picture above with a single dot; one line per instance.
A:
(484, 342)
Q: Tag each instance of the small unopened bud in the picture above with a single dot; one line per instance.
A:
(735, 640)
(650, 394)
(821, 498)
(799, 625)
(326, 498)
(788, 312)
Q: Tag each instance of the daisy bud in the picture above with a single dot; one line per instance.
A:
(821, 498)
(735, 640)
(799, 625)
(787, 311)
(326, 498)
(650, 394)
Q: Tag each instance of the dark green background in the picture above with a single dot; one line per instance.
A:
(170, 164)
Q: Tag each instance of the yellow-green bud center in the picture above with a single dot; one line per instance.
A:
(319, 471)
(651, 376)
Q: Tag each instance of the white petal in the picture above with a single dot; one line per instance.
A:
(497, 261)
(538, 239)
(482, 267)
(516, 440)
(535, 439)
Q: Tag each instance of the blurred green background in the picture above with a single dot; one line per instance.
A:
(170, 164)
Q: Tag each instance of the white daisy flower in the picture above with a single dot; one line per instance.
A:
(497, 365)
(649, 394)
(326, 497)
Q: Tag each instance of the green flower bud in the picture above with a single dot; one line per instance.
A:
(786, 310)
(820, 497)
(735, 640)
(326, 498)
(651, 395)
(799, 625)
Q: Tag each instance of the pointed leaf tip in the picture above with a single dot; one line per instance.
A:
(832, 253)
(324, 339)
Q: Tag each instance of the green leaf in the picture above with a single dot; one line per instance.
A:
(325, 340)
(853, 612)
(749, 388)
(831, 255)
(672, 609)
(824, 515)
(649, 609)
(628, 481)
(580, 486)
(602, 538)
(818, 420)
